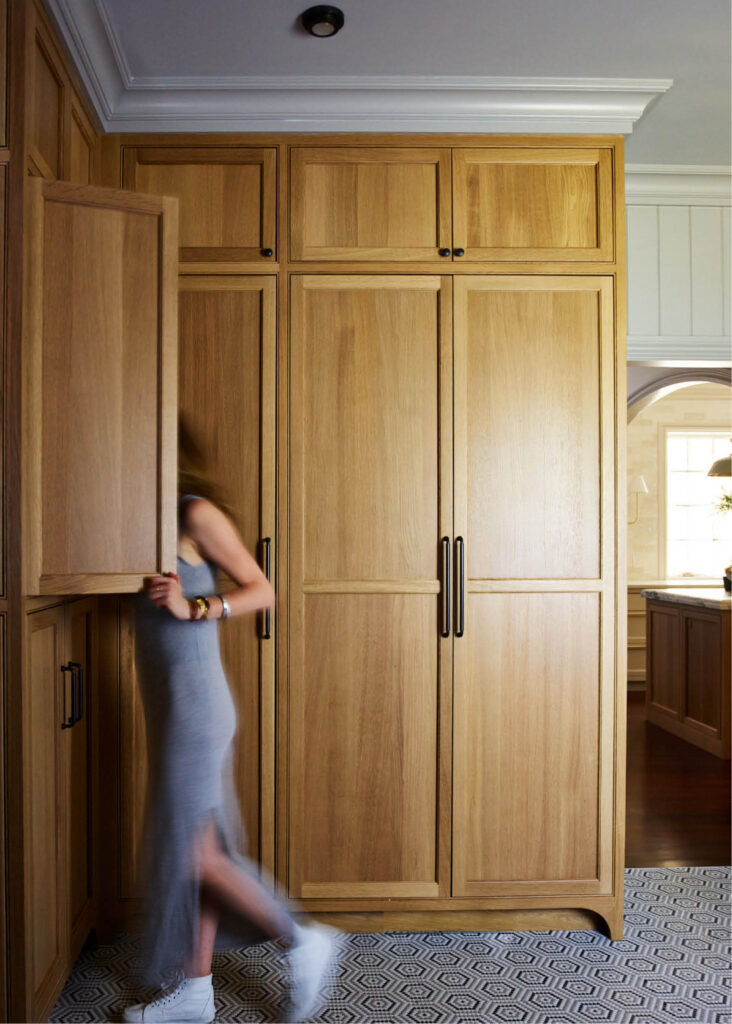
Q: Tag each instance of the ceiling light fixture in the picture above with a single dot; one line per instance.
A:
(322, 20)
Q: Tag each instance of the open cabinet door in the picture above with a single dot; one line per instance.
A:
(100, 388)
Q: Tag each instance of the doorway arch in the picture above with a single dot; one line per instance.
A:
(652, 391)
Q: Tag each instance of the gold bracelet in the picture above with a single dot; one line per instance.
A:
(203, 606)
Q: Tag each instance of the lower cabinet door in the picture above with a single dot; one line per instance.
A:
(76, 778)
(47, 700)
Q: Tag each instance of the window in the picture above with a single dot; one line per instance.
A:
(698, 537)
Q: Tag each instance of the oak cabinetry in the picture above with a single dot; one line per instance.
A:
(59, 892)
(227, 196)
(370, 496)
(688, 685)
(100, 349)
(375, 364)
(537, 203)
(226, 389)
(369, 203)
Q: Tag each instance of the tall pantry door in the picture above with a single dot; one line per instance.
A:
(369, 671)
(535, 507)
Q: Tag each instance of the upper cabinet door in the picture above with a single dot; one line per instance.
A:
(99, 406)
(228, 211)
(533, 204)
(370, 204)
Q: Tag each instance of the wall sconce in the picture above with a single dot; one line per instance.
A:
(636, 486)
(322, 20)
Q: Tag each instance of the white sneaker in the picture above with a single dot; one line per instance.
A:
(191, 1001)
(313, 958)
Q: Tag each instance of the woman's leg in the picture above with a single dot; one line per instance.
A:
(200, 964)
(222, 881)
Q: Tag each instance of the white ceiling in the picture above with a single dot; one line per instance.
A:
(196, 49)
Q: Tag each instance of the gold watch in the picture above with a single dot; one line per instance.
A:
(203, 605)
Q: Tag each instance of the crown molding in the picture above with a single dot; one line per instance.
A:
(677, 185)
(125, 103)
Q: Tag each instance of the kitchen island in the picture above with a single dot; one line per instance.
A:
(688, 670)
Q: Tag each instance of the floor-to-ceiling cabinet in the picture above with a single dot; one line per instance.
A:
(424, 337)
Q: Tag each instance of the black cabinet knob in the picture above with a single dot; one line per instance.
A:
(267, 252)
(444, 252)
(458, 252)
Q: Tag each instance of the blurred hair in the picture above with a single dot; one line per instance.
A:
(193, 469)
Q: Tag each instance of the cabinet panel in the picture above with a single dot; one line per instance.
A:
(80, 629)
(45, 101)
(369, 204)
(366, 807)
(664, 659)
(534, 355)
(227, 395)
(370, 497)
(527, 758)
(227, 198)
(81, 147)
(100, 348)
(369, 359)
(47, 703)
(3, 117)
(533, 204)
(132, 764)
(703, 669)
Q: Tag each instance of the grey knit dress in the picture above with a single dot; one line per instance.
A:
(190, 721)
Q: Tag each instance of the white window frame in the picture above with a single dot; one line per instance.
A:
(663, 431)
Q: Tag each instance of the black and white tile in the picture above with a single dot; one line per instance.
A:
(672, 966)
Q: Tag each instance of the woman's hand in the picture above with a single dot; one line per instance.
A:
(165, 592)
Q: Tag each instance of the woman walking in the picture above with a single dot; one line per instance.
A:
(202, 894)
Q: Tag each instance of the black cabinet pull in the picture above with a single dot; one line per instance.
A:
(267, 252)
(71, 720)
(444, 252)
(460, 610)
(79, 679)
(458, 252)
(445, 586)
(267, 545)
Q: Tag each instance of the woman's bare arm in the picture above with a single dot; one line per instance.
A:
(217, 540)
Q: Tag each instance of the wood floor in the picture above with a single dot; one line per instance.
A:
(678, 798)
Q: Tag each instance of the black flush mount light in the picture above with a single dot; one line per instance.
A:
(322, 20)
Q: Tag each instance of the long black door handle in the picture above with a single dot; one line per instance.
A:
(446, 601)
(267, 546)
(79, 680)
(460, 609)
(71, 719)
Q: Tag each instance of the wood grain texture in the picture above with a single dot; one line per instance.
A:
(368, 351)
(132, 763)
(663, 635)
(80, 629)
(81, 145)
(101, 330)
(527, 757)
(44, 805)
(47, 85)
(227, 345)
(365, 718)
(371, 366)
(528, 387)
(227, 197)
(361, 203)
(537, 203)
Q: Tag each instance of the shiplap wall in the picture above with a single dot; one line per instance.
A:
(678, 264)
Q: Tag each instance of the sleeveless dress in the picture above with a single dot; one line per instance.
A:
(190, 721)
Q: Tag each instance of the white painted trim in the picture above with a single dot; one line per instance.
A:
(676, 347)
(339, 103)
(677, 185)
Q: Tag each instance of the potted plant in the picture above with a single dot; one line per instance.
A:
(724, 505)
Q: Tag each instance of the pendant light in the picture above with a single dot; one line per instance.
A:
(322, 21)
(722, 467)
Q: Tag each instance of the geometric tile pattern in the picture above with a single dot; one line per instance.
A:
(672, 966)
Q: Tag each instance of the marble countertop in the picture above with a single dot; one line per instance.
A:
(702, 597)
